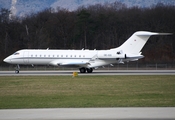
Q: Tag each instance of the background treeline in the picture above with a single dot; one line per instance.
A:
(94, 27)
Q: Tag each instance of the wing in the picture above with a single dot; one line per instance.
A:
(80, 63)
(77, 63)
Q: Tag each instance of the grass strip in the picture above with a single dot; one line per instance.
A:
(86, 91)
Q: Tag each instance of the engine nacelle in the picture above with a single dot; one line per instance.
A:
(110, 54)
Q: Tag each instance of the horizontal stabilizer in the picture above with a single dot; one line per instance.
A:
(144, 33)
(165, 33)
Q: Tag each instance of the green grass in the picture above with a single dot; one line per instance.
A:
(86, 91)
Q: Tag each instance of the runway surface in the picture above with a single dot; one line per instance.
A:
(166, 113)
(96, 72)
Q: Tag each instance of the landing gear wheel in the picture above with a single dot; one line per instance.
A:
(16, 71)
(82, 70)
(89, 70)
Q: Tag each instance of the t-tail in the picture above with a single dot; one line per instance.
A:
(137, 41)
(130, 50)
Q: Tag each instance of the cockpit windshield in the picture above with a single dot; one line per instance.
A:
(16, 53)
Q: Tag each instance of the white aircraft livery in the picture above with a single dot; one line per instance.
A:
(85, 60)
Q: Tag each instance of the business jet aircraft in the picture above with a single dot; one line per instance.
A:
(85, 60)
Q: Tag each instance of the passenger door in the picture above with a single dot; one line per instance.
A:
(26, 57)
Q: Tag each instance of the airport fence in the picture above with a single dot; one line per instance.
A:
(126, 66)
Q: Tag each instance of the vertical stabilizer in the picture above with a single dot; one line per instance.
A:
(136, 42)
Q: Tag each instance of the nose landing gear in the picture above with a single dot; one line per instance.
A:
(17, 69)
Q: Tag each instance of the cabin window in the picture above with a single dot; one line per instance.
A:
(75, 56)
(70, 55)
(66, 55)
(57, 55)
(79, 55)
(61, 55)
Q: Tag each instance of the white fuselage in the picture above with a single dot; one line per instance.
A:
(81, 58)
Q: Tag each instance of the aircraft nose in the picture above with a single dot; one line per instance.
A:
(7, 60)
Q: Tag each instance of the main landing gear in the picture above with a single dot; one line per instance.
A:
(17, 69)
(83, 70)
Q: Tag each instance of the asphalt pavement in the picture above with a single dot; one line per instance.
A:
(126, 113)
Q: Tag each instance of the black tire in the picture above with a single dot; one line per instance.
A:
(16, 71)
(89, 70)
(82, 70)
